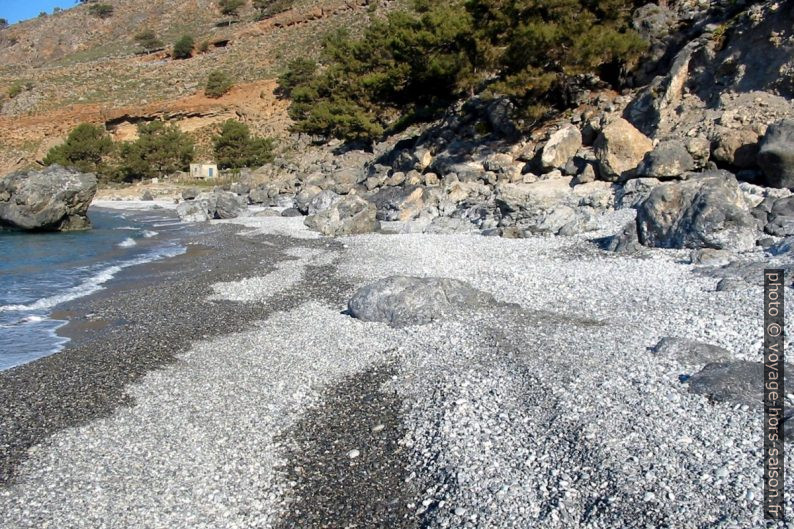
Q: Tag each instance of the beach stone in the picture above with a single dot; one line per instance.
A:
(738, 382)
(620, 148)
(737, 148)
(190, 193)
(776, 154)
(239, 188)
(401, 301)
(322, 201)
(351, 215)
(732, 284)
(305, 196)
(192, 211)
(706, 211)
(561, 147)
(625, 241)
(54, 199)
(291, 212)
(267, 213)
(398, 203)
(147, 196)
(450, 225)
(669, 159)
(691, 352)
(635, 191)
(228, 205)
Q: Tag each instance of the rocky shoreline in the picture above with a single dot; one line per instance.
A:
(243, 396)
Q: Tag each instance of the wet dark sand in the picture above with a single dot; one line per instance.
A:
(145, 316)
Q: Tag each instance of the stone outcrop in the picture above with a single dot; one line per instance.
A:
(212, 205)
(561, 147)
(351, 215)
(620, 148)
(706, 211)
(776, 154)
(401, 301)
(55, 199)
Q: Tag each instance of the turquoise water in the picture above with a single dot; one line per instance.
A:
(40, 271)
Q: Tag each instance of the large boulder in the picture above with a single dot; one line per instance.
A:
(561, 147)
(690, 352)
(228, 205)
(212, 205)
(305, 196)
(669, 159)
(736, 148)
(401, 301)
(192, 211)
(620, 148)
(398, 203)
(776, 154)
(738, 382)
(55, 199)
(322, 201)
(707, 211)
(352, 215)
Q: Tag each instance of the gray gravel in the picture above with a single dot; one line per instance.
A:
(551, 413)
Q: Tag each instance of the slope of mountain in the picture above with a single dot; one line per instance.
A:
(75, 67)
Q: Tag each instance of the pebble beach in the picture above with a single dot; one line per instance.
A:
(234, 390)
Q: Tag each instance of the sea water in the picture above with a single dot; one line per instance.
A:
(40, 271)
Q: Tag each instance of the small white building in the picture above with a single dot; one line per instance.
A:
(203, 170)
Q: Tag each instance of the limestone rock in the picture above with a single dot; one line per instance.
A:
(561, 147)
(351, 215)
(55, 199)
(620, 148)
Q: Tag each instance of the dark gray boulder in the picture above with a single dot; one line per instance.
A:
(669, 159)
(706, 211)
(401, 301)
(776, 154)
(190, 193)
(739, 382)
(625, 241)
(55, 199)
(291, 212)
(228, 205)
(691, 352)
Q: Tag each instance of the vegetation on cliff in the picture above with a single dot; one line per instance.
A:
(413, 64)
(235, 147)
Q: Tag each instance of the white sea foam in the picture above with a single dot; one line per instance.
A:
(127, 243)
(92, 284)
(149, 234)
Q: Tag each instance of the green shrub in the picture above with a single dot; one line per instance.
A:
(299, 73)
(269, 8)
(159, 150)
(101, 10)
(16, 89)
(414, 64)
(230, 7)
(85, 149)
(148, 40)
(236, 148)
(3, 23)
(183, 48)
(204, 46)
(218, 83)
